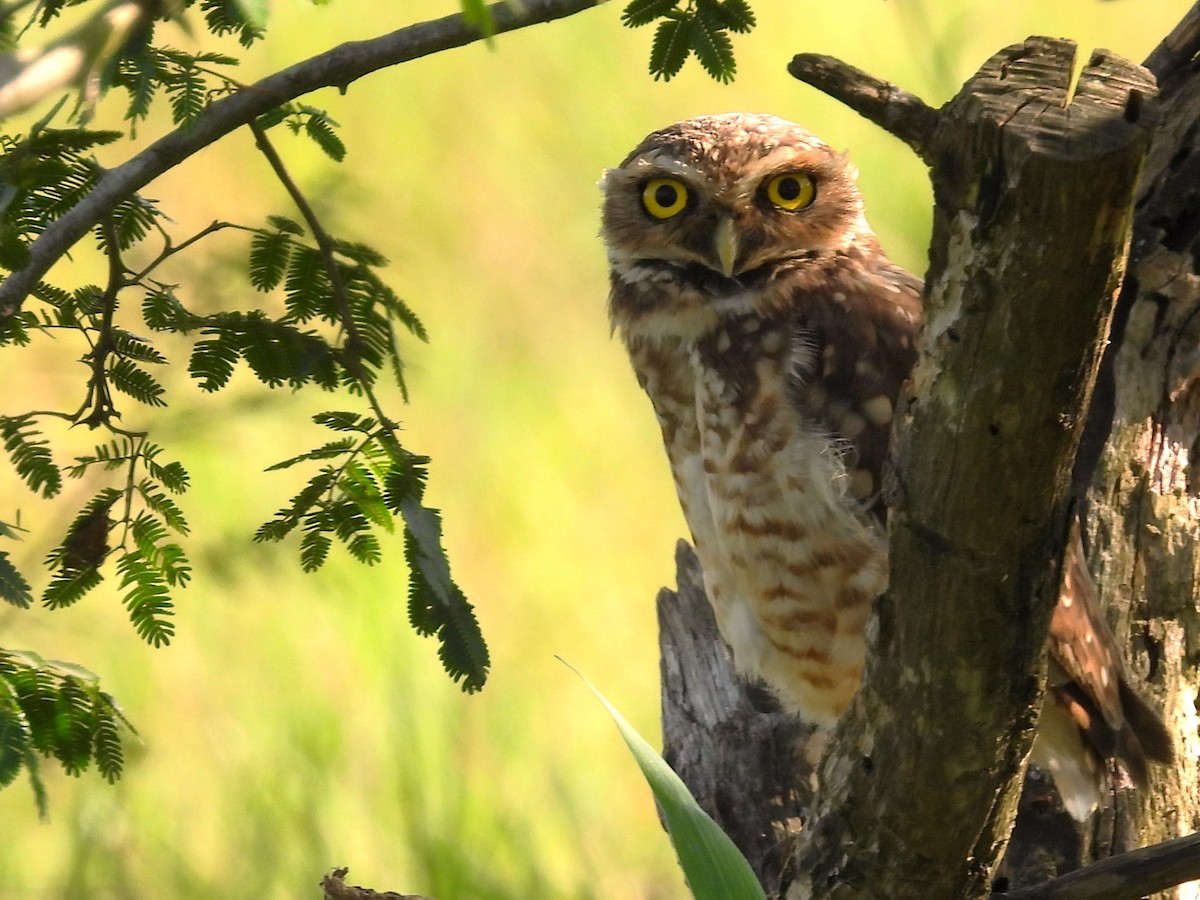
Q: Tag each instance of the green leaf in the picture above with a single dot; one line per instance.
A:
(163, 505)
(365, 548)
(173, 476)
(133, 347)
(345, 421)
(283, 223)
(363, 254)
(147, 599)
(327, 451)
(671, 47)
(14, 589)
(643, 12)
(73, 726)
(14, 738)
(736, 15)
(306, 290)
(106, 738)
(188, 96)
(436, 606)
(137, 383)
(289, 517)
(314, 546)
(714, 867)
(319, 127)
(162, 311)
(269, 255)
(213, 360)
(232, 17)
(69, 587)
(712, 47)
(30, 457)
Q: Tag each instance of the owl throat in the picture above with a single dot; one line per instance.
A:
(791, 563)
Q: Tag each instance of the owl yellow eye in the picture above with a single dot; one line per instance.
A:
(664, 197)
(794, 190)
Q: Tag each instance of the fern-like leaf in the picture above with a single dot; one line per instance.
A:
(365, 548)
(137, 348)
(73, 726)
(736, 15)
(173, 476)
(283, 223)
(306, 290)
(643, 12)
(289, 517)
(269, 255)
(232, 17)
(712, 46)
(69, 587)
(35, 692)
(162, 311)
(106, 738)
(187, 95)
(436, 606)
(672, 46)
(163, 505)
(30, 456)
(331, 450)
(147, 599)
(345, 421)
(14, 736)
(213, 360)
(137, 383)
(319, 127)
(315, 544)
(14, 589)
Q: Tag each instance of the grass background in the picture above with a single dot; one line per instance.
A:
(295, 723)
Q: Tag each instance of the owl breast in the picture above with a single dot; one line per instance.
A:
(790, 564)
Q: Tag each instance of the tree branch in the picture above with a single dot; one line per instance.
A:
(893, 109)
(1128, 876)
(338, 68)
(1178, 48)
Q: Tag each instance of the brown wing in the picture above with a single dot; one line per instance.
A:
(861, 329)
(1088, 679)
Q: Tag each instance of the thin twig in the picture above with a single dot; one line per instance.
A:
(338, 68)
(170, 249)
(98, 394)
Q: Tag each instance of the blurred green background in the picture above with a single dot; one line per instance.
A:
(296, 724)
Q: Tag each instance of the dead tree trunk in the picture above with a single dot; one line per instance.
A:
(752, 767)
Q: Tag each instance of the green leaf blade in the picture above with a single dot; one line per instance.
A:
(714, 867)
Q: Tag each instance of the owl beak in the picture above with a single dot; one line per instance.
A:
(726, 245)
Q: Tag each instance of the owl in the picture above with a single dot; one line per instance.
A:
(773, 336)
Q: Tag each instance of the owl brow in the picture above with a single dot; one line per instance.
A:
(650, 166)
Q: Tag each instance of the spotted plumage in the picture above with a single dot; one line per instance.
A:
(773, 337)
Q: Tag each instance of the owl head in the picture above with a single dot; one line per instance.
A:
(721, 205)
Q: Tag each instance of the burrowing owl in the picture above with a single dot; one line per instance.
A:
(773, 336)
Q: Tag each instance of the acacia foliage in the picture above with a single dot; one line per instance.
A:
(327, 320)
(687, 27)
